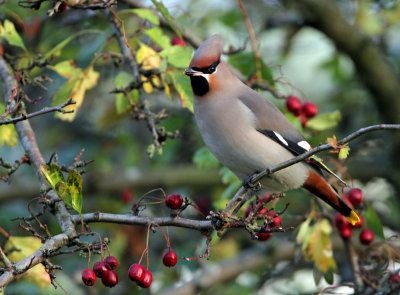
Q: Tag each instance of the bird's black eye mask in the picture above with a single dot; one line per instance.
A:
(209, 70)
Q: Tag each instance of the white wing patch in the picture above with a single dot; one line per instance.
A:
(304, 144)
(281, 138)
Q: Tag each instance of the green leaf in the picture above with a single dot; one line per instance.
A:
(246, 64)
(63, 192)
(74, 182)
(231, 180)
(164, 12)
(53, 175)
(156, 34)
(373, 222)
(56, 50)
(147, 14)
(344, 152)
(182, 85)
(177, 56)
(328, 276)
(324, 121)
(203, 158)
(122, 80)
(8, 32)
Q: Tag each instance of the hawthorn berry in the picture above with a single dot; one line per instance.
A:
(174, 201)
(355, 197)
(366, 236)
(111, 262)
(309, 109)
(395, 279)
(293, 104)
(136, 272)
(359, 224)
(99, 268)
(127, 196)
(147, 279)
(88, 277)
(178, 41)
(170, 258)
(263, 236)
(276, 221)
(109, 278)
(340, 221)
(346, 232)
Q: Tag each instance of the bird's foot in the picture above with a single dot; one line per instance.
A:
(248, 184)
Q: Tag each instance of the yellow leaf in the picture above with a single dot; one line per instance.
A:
(27, 246)
(147, 87)
(80, 81)
(344, 152)
(320, 247)
(8, 135)
(67, 69)
(148, 57)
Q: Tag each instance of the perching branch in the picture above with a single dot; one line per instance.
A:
(59, 108)
(325, 147)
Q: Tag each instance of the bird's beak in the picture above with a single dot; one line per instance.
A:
(189, 72)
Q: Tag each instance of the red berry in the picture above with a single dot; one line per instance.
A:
(88, 277)
(293, 104)
(341, 221)
(263, 211)
(366, 236)
(359, 224)
(99, 268)
(263, 236)
(147, 279)
(109, 278)
(170, 258)
(355, 197)
(346, 232)
(395, 279)
(127, 196)
(303, 121)
(174, 201)
(136, 272)
(111, 262)
(309, 109)
(276, 221)
(178, 41)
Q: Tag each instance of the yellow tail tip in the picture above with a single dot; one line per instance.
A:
(353, 218)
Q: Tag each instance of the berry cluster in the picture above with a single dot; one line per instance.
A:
(178, 41)
(353, 198)
(259, 211)
(303, 110)
(105, 270)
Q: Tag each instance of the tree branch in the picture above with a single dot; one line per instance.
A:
(43, 111)
(201, 225)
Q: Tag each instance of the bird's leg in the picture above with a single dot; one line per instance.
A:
(248, 184)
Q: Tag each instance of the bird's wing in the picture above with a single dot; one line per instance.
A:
(272, 123)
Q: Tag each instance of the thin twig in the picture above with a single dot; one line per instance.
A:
(252, 37)
(59, 108)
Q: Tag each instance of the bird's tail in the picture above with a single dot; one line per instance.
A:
(317, 185)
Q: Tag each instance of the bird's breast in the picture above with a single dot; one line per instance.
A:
(227, 127)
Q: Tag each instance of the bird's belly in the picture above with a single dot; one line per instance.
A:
(246, 151)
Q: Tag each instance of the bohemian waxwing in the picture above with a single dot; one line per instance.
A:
(247, 133)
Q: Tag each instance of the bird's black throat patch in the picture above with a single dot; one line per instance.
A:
(200, 85)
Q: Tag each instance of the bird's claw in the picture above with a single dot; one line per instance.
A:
(247, 183)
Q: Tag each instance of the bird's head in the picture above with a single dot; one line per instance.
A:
(204, 65)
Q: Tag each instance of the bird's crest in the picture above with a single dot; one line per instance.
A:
(209, 52)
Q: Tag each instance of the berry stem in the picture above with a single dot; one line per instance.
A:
(135, 205)
(147, 245)
(101, 247)
(89, 257)
(108, 249)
